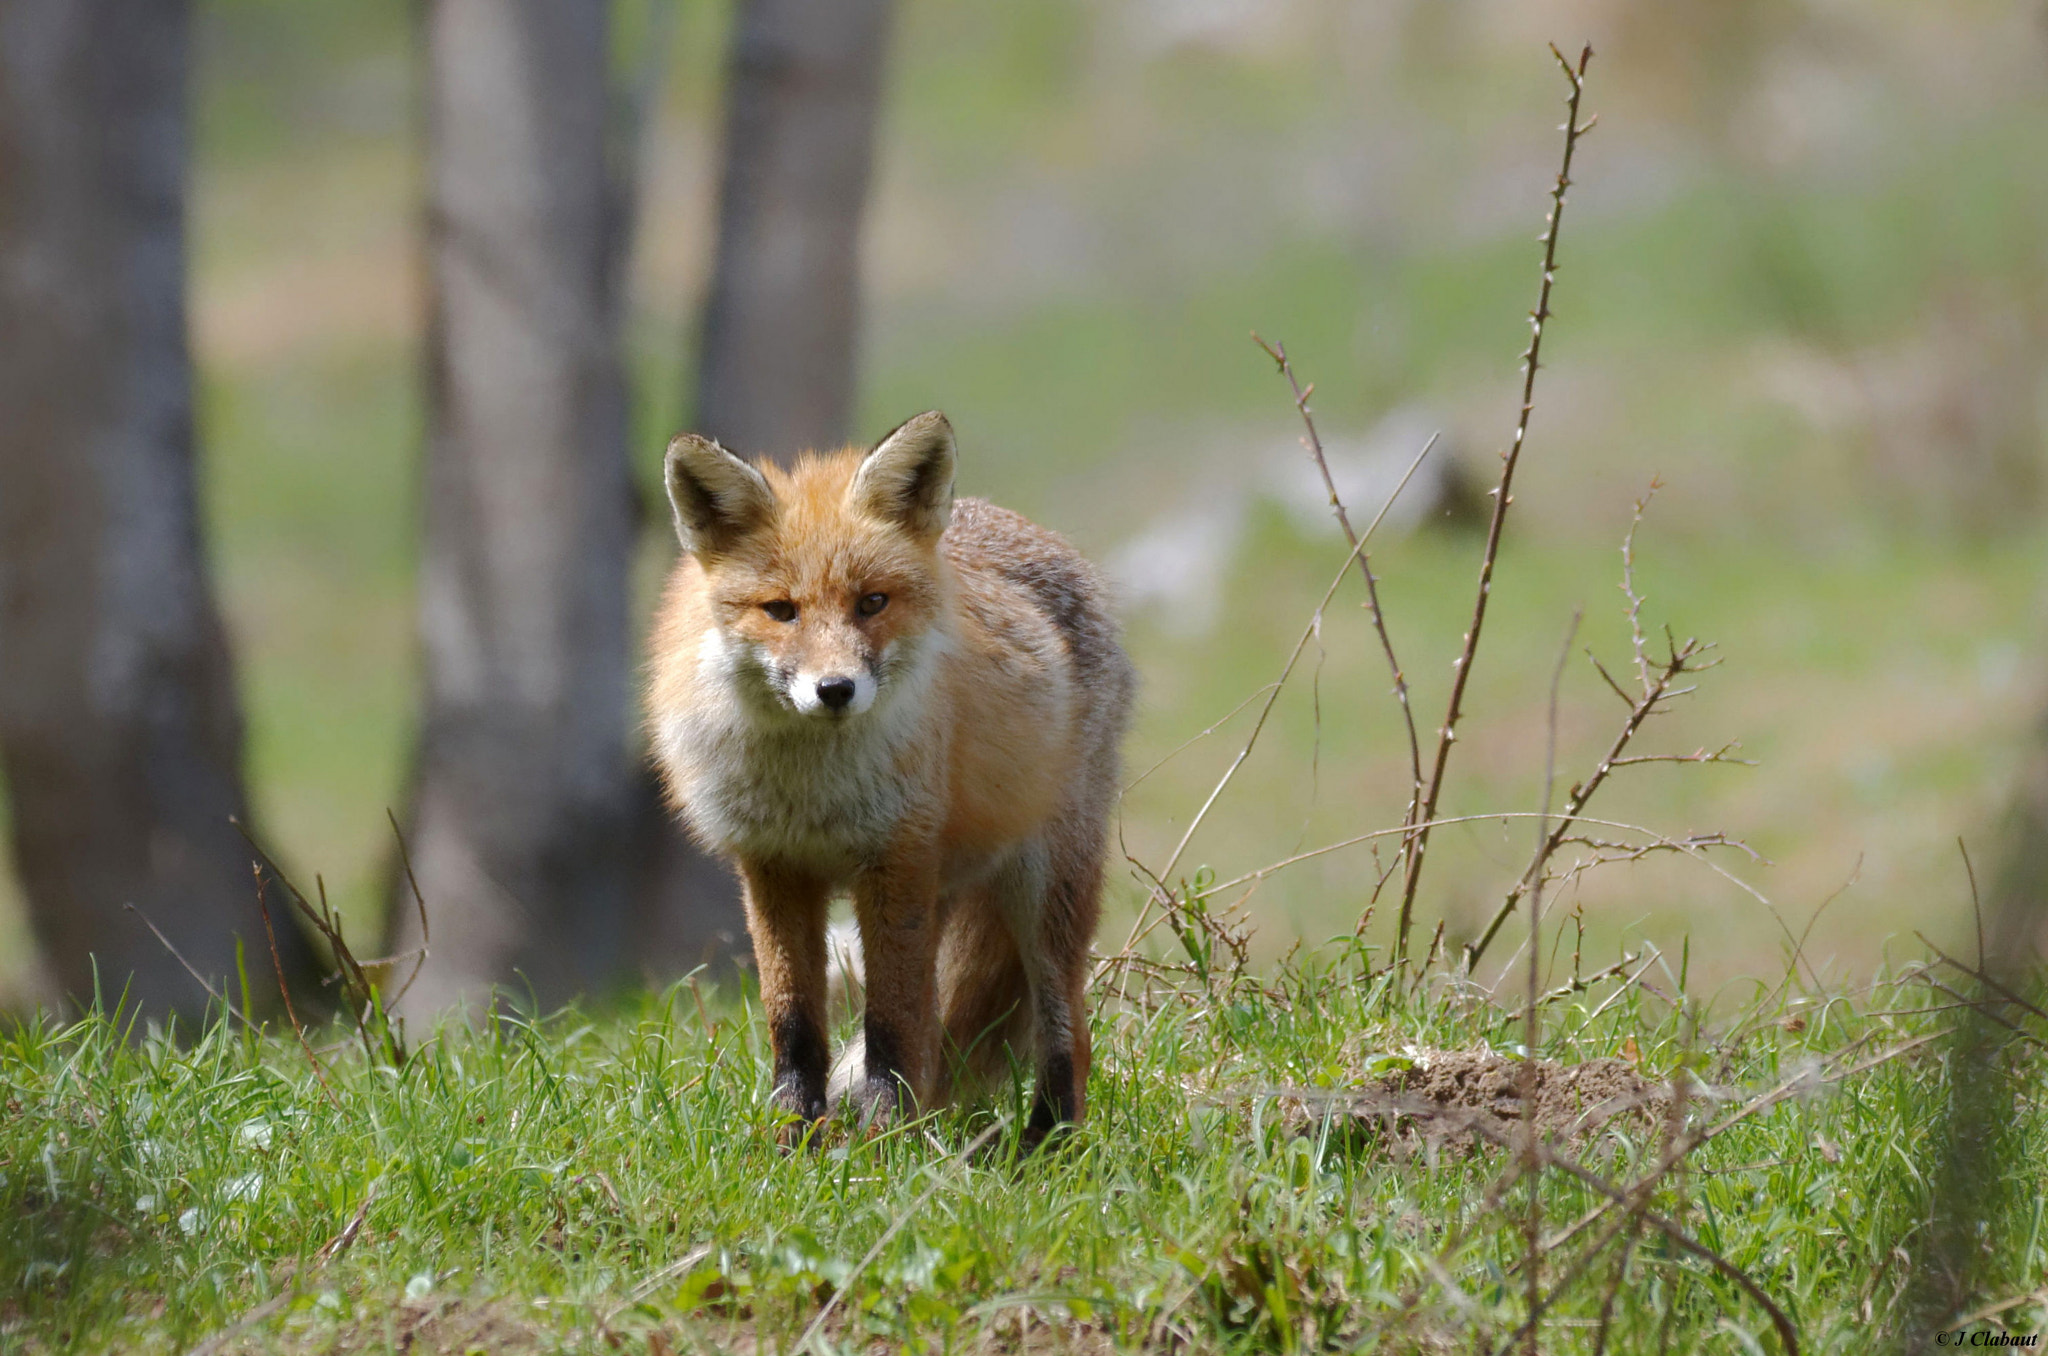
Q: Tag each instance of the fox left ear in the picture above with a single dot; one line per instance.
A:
(908, 478)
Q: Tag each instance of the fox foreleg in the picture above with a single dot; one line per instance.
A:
(897, 908)
(786, 919)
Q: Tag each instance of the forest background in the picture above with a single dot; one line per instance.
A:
(1806, 289)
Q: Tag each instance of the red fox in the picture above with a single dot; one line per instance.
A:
(860, 683)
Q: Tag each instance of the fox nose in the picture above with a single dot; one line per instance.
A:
(835, 692)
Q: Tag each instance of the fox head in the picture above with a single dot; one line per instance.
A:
(824, 581)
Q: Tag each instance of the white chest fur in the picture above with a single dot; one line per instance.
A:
(762, 780)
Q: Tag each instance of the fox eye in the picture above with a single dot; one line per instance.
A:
(871, 603)
(781, 609)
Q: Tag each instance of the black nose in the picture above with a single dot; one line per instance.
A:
(835, 692)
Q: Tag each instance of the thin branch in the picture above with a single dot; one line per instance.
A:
(342, 1241)
(1657, 689)
(1418, 845)
(197, 978)
(419, 902)
(1314, 442)
(1983, 976)
(1628, 586)
(1485, 1127)
(1719, 755)
(1194, 739)
(1793, 1086)
(1976, 900)
(1307, 634)
(1532, 1015)
(1690, 846)
(285, 989)
(1580, 985)
(1601, 668)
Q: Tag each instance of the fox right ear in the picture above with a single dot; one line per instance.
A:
(717, 498)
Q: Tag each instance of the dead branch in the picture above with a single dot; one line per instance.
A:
(1417, 845)
(1308, 633)
(1983, 976)
(1659, 686)
(285, 989)
(1314, 442)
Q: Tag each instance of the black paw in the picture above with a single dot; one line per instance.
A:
(879, 1103)
(799, 1117)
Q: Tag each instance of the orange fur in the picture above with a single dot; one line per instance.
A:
(860, 685)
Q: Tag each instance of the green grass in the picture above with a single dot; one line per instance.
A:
(594, 1183)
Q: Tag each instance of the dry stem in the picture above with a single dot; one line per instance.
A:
(1418, 843)
(1657, 684)
(1308, 633)
(1313, 441)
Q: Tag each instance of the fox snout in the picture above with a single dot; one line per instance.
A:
(833, 694)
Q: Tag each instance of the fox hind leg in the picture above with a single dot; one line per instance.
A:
(1049, 904)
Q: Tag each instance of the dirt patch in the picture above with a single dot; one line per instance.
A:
(1454, 1100)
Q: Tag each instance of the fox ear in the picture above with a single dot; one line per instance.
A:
(717, 498)
(908, 478)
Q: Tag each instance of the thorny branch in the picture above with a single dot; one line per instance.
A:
(1313, 441)
(1418, 843)
(1657, 684)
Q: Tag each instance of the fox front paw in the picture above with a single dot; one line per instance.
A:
(799, 1117)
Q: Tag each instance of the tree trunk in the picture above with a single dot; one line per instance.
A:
(776, 366)
(119, 729)
(524, 818)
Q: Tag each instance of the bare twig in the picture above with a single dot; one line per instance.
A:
(1637, 646)
(1532, 1013)
(342, 1241)
(1580, 985)
(215, 994)
(1658, 684)
(285, 989)
(1684, 1145)
(1719, 755)
(419, 902)
(1787, 1336)
(1314, 443)
(1983, 975)
(1418, 844)
(650, 1282)
(1691, 846)
(218, 1340)
(1976, 900)
(359, 993)
(1307, 634)
(1486, 1127)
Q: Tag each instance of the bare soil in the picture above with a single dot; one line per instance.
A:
(1454, 1100)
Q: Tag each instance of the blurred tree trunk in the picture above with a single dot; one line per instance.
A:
(776, 364)
(524, 812)
(119, 728)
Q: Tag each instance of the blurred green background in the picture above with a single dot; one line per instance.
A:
(1804, 282)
